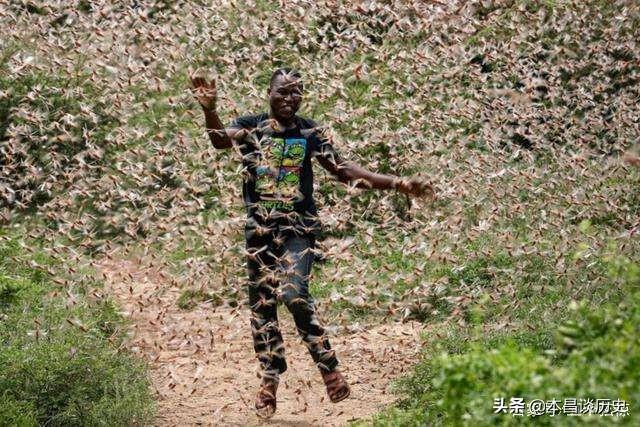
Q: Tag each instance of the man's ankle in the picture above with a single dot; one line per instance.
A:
(270, 379)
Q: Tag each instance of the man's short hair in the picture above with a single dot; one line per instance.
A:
(285, 71)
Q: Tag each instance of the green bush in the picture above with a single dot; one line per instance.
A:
(60, 357)
(16, 413)
(596, 356)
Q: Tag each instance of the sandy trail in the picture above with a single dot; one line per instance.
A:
(203, 366)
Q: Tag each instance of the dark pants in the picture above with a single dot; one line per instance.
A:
(279, 264)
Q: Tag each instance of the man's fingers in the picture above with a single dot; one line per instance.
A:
(418, 187)
(204, 83)
(201, 82)
(427, 188)
(200, 88)
(196, 82)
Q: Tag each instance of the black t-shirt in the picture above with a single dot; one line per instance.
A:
(278, 181)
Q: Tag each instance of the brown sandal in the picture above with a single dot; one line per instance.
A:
(337, 387)
(266, 399)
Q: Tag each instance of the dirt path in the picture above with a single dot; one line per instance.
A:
(204, 369)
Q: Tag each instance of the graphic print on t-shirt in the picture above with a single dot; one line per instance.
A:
(278, 173)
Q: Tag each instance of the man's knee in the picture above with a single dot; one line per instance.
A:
(294, 297)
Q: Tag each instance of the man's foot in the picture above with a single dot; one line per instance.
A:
(266, 398)
(337, 387)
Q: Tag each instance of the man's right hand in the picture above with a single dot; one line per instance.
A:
(205, 92)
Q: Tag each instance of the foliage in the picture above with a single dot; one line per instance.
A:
(595, 355)
(60, 356)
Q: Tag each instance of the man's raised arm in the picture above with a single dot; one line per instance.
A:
(205, 92)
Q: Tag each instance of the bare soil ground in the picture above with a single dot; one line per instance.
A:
(203, 366)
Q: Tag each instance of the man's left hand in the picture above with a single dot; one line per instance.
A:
(415, 186)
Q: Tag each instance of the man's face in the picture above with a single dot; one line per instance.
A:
(285, 95)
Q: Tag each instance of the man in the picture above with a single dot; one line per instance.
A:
(277, 148)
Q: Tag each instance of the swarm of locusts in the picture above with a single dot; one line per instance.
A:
(523, 115)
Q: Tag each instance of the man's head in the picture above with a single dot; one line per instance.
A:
(285, 93)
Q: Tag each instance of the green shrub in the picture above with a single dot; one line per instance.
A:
(596, 356)
(16, 413)
(60, 358)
